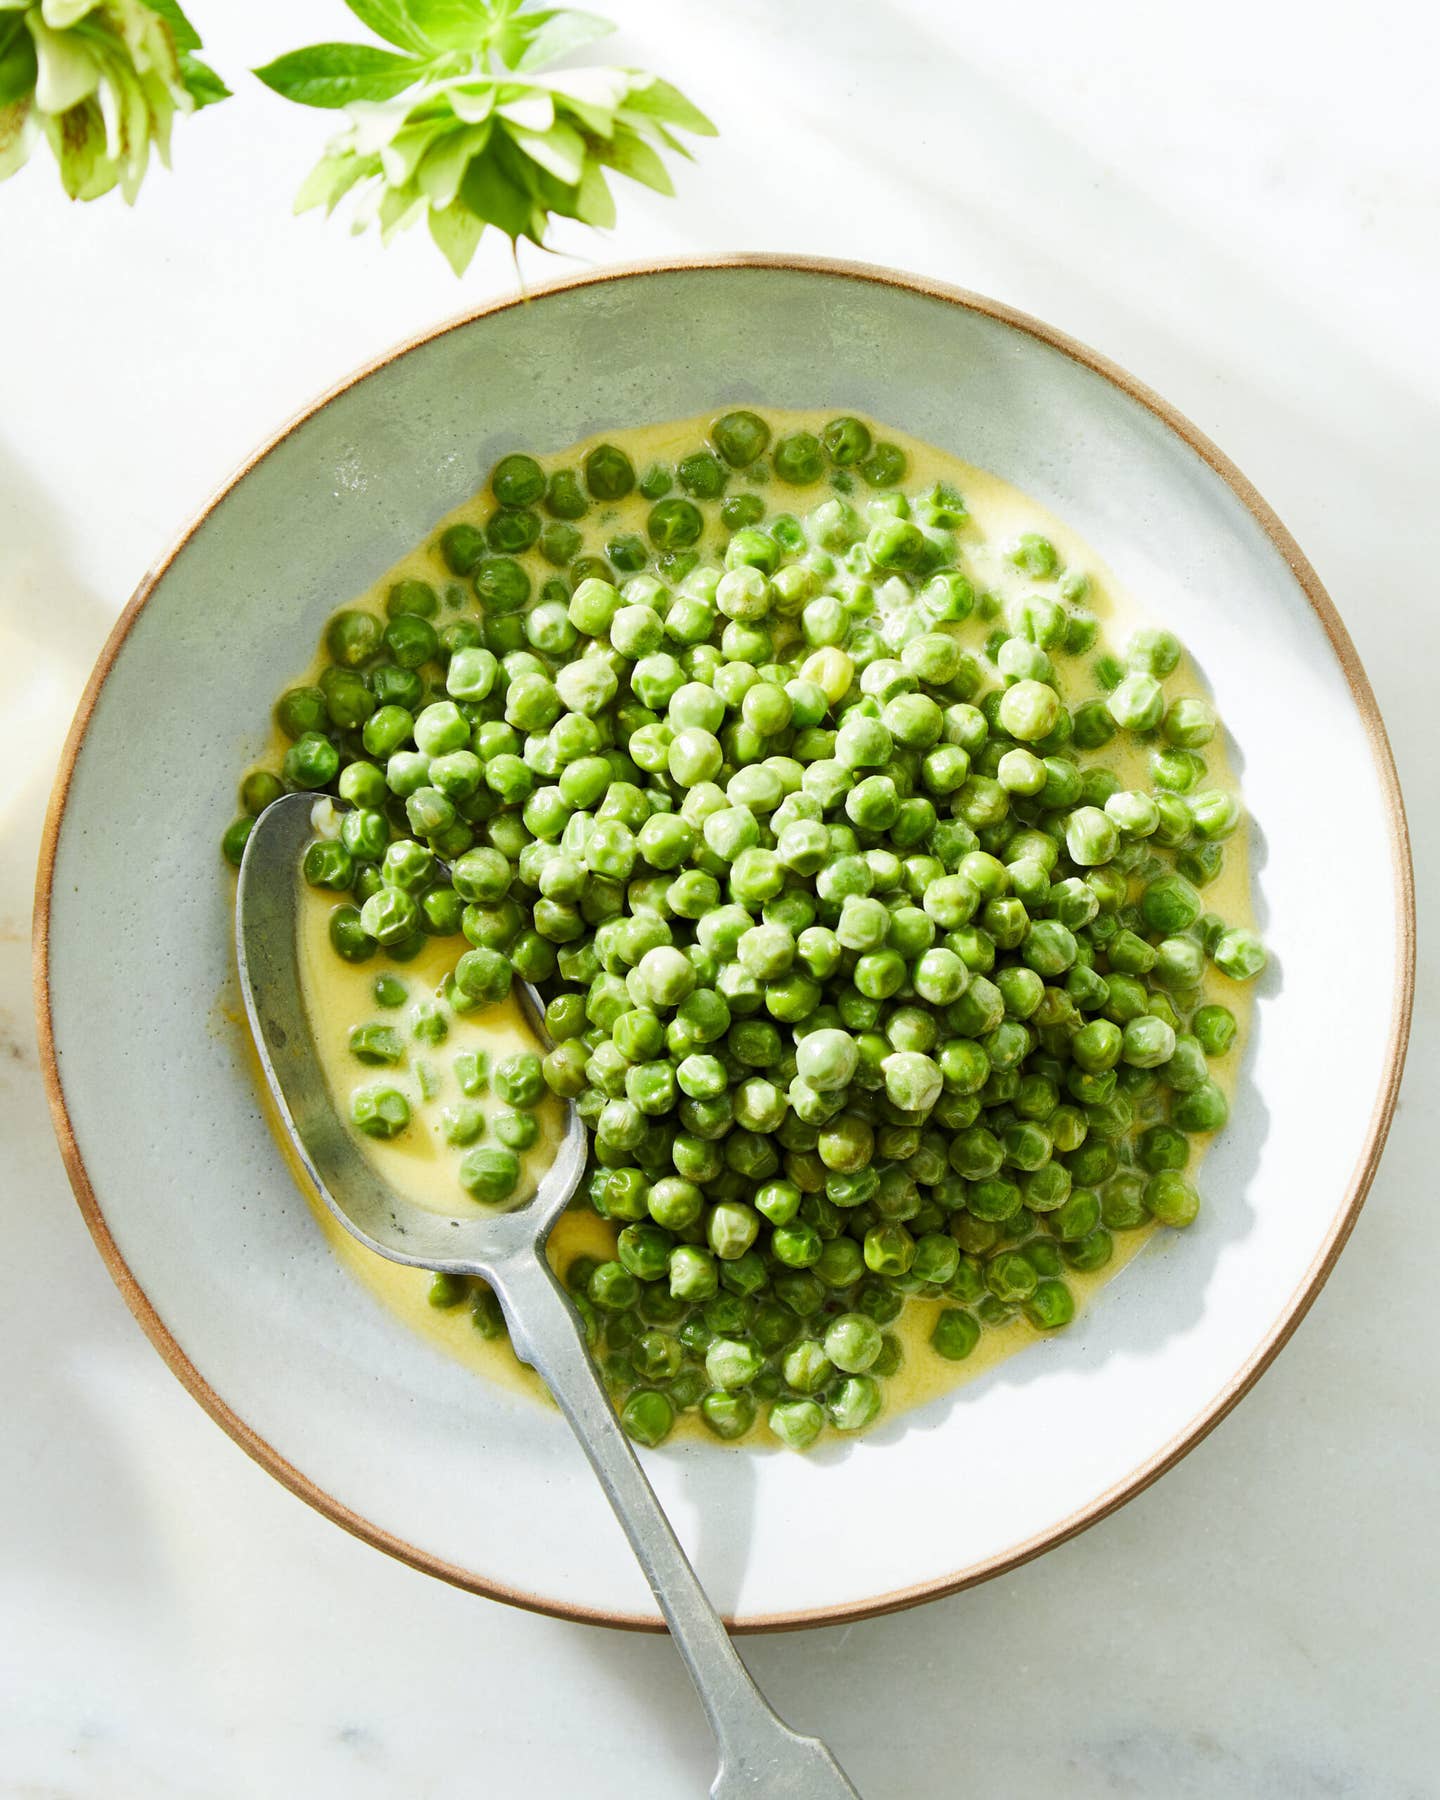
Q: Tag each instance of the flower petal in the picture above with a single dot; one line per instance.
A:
(67, 74)
(531, 112)
(18, 130)
(457, 232)
(60, 15)
(472, 104)
(560, 151)
(443, 166)
(596, 204)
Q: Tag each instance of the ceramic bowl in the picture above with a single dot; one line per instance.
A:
(219, 1255)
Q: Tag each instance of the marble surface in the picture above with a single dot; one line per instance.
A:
(1243, 214)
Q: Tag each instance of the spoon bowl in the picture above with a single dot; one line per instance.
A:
(267, 952)
(759, 1754)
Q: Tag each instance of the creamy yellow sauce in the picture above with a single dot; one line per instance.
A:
(423, 1166)
(419, 1164)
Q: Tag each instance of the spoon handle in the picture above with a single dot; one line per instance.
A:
(759, 1754)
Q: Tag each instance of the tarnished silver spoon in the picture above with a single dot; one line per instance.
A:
(759, 1754)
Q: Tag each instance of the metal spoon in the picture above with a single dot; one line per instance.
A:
(759, 1754)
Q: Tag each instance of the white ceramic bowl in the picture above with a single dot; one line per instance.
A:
(220, 1257)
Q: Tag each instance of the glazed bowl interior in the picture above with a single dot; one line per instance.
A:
(187, 1192)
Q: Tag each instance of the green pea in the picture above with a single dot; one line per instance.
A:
(648, 1416)
(885, 466)
(732, 1363)
(1215, 1027)
(675, 524)
(416, 599)
(955, 1334)
(348, 937)
(462, 547)
(1171, 1199)
(740, 437)
(559, 544)
(846, 441)
(564, 497)
(376, 1044)
(517, 480)
(1239, 954)
(852, 1343)
(411, 641)
(234, 839)
(448, 1291)
(1137, 703)
(798, 459)
(352, 638)
(1050, 1306)
(311, 762)
(380, 1112)
(1204, 1109)
(741, 510)
(1189, 723)
(389, 991)
(797, 1423)
(609, 473)
(855, 1403)
(512, 533)
(502, 586)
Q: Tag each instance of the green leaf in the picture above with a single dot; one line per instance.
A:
(596, 204)
(530, 112)
(401, 156)
(630, 155)
(60, 15)
(136, 108)
(442, 168)
(17, 60)
(202, 84)
(560, 151)
(400, 208)
(162, 103)
(78, 141)
(593, 95)
(454, 24)
(457, 232)
(649, 94)
(559, 34)
(489, 192)
(332, 178)
(181, 30)
(150, 52)
(652, 130)
(333, 75)
(391, 20)
(473, 104)
(375, 123)
(17, 133)
(67, 73)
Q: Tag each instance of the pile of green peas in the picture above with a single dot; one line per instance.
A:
(868, 977)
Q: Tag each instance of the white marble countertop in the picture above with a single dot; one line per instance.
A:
(1242, 208)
